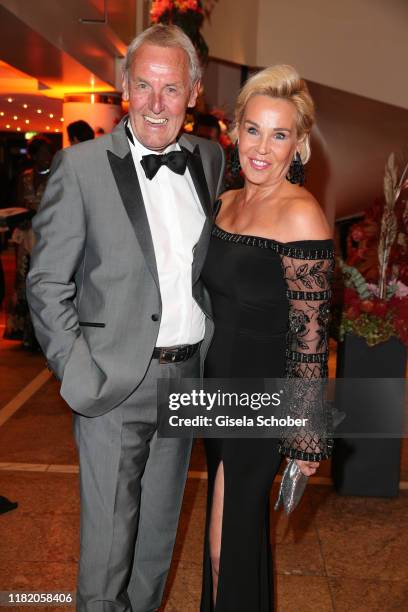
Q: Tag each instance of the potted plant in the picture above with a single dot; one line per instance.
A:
(373, 340)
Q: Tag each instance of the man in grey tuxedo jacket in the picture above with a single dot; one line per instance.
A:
(117, 303)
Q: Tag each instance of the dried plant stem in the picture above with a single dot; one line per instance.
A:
(388, 233)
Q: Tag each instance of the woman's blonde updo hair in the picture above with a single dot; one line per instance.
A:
(281, 81)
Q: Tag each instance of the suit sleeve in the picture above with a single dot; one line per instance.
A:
(60, 228)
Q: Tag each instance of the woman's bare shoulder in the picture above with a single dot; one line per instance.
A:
(305, 218)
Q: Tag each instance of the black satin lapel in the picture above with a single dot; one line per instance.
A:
(195, 166)
(123, 170)
(201, 249)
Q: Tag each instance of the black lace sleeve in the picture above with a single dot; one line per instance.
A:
(307, 269)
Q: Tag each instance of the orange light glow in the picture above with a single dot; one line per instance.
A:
(47, 127)
(9, 99)
(8, 126)
(27, 121)
(64, 89)
(25, 105)
(15, 117)
(39, 111)
(51, 116)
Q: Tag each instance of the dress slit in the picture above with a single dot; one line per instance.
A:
(220, 463)
(213, 463)
(245, 526)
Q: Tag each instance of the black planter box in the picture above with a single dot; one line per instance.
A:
(368, 467)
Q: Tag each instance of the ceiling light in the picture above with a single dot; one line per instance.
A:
(62, 119)
(9, 99)
(47, 127)
(56, 130)
(39, 111)
(25, 105)
(51, 116)
(15, 117)
(2, 114)
(27, 121)
(8, 126)
(18, 129)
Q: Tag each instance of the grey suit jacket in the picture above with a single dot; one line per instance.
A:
(93, 287)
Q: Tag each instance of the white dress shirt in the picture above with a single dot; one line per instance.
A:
(176, 219)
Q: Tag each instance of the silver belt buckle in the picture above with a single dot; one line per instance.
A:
(162, 358)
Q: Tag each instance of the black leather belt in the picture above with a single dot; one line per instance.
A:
(174, 354)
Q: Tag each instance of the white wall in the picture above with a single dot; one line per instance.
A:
(222, 82)
(359, 134)
(232, 32)
(360, 46)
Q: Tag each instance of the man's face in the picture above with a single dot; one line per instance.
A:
(159, 90)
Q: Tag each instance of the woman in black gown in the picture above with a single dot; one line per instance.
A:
(268, 272)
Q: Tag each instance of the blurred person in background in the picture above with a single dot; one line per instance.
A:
(30, 189)
(79, 131)
(207, 126)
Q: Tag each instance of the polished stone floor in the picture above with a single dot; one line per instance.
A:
(333, 554)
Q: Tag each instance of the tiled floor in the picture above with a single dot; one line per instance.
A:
(333, 554)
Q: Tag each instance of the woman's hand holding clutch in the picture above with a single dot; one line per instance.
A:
(293, 483)
(308, 468)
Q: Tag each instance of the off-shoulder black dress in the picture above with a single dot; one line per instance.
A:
(271, 305)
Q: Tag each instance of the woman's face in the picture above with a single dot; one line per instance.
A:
(267, 139)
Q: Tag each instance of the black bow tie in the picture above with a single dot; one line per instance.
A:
(175, 160)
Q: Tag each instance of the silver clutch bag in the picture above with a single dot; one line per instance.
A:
(292, 486)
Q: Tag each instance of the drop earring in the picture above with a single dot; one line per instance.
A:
(296, 172)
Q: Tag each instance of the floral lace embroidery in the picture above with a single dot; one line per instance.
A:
(308, 292)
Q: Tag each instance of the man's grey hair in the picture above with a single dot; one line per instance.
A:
(165, 36)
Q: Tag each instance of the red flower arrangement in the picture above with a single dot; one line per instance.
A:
(373, 318)
(188, 15)
(363, 243)
(159, 8)
(375, 294)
